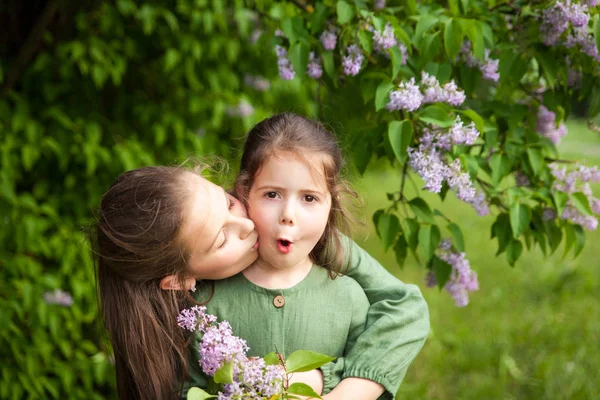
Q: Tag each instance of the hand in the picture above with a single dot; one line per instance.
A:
(313, 378)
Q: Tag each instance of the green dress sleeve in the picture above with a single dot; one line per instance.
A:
(396, 329)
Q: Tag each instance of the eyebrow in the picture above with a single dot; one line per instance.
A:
(284, 189)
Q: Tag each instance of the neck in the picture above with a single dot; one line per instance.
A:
(263, 274)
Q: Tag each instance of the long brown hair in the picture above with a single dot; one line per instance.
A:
(289, 132)
(137, 243)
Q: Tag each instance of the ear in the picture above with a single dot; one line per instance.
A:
(172, 282)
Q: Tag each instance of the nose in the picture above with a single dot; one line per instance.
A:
(288, 214)
(246, 227)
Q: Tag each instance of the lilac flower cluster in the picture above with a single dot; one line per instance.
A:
(379, 4)
(253, 379)
(429, 161)
(314, 69)
(242, 109)
(462, 278)
(58, 297)
(286, 70)
(546, 125)
(329, 39)
(488, 67)
(352, 62)
(572, 20)
(408, 95)
(382, 41)
(578, 180)
(258, 82)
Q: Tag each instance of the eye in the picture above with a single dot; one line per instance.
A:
(231, 203)
(271, 195)
(224, 240)
(309, 198)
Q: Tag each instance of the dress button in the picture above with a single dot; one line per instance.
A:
(279, 301)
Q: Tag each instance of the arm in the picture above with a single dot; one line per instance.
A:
(396, 329)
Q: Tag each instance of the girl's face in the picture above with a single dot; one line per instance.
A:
(289, 203)
(216, 229)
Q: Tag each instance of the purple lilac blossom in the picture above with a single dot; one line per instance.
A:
(462, 278)
(488, 67)
(572, 215)
(328, 39)
(353, 61)
(314, 68)
(286, 70)
(407, 97)
(463, 134)
(546, 125)
(379, 4)
(404, 52)
(243, 109)
(257, 82)
(384, 41)
(435, 93)
(58, 297)
(549, 214)
(219, 346)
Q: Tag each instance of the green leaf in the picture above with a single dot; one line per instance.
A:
(550, 66)
(569, 238)
(459, 241)
(366, 41)
(298, 55)
(318, 18)
(225, 373)
(171, 59)
(520, 217)
(302, 389)
(425, 22)
(400, 250)
(397, 59)
(381, 95)
(429, 238)
(471, 164)
(304, 360)
(411, 230)
(476, 118)
(453, 38)
(579, 240)
(501, 230)
(345, 12)
(437, 115)
(581, 203)
(442, 271)
(475, 34)
(560, 200)
(271, 358)
(513, 251)
(500, 165)
(388, 227)
(196, 393)
(554, 234)
(400, 134)
(328, 64)
(421, 210)
(536, 159)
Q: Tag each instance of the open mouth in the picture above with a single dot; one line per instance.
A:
(284, 246)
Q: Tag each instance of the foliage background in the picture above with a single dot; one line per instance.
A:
(93, 89)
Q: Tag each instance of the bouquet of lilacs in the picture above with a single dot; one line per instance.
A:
(235, 375)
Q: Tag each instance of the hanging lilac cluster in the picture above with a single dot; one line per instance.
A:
(58, 297)
(546, 125)
(314, 68)
(257, 82)
(463, 279)
(253, 379)
(352, 62)
(577, 180)
(430, 162)
(286, 70)
(329, 39)
(241, 110)
(488, 67)
(570, 19)
(383, 41)
(409, 96)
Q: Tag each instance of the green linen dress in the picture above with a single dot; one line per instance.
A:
(397, 325)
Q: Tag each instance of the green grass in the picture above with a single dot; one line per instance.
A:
(530, 332)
